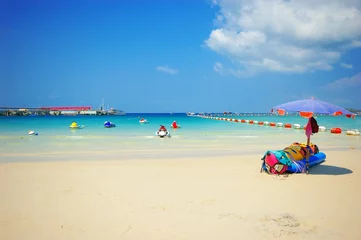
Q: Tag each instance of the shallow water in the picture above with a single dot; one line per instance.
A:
(197, 137)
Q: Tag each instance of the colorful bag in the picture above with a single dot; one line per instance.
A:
(275, 162)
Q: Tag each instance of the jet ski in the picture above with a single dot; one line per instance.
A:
(74, 125)
(33, 133)
(108, 124)
(162, 134)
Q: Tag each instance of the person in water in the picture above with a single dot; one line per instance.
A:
(174, 124)
(162, 128)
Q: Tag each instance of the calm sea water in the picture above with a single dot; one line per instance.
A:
(197, 136)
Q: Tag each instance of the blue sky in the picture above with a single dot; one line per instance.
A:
(180, 55)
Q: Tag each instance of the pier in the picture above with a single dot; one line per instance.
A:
(53, 111)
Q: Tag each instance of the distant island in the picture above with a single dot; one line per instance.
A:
(358, 112)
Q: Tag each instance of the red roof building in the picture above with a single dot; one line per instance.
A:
(67, 108)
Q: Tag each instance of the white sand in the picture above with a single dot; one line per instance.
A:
(218, 198)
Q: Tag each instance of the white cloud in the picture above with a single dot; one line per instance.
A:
(348, 66)
(218, 67)
(349, 82)
(286, 36)
(167, 69)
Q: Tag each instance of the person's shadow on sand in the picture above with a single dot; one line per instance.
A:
(329, 170)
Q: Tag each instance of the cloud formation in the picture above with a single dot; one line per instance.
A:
(286, 35)
(167, 69)
(348, 66)
(218, 67)
(348, 82)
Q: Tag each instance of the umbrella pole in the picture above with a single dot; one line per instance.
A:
(307, 155)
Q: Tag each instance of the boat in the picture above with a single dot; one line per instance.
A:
(116, 112)
(108, 124)
(162, 134)
(292, 159)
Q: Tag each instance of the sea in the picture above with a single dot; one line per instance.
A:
(197, 137)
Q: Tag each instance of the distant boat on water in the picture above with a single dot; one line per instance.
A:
(116, 112)
(111, 111)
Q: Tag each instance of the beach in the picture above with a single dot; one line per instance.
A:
(221, 197)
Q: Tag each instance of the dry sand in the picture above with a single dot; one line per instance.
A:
(217, 198)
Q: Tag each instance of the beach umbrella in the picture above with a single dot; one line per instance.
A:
(307, 108)
(310, 106)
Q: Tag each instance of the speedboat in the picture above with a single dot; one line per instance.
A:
(162, 134)
(143, 120)
(108, 124)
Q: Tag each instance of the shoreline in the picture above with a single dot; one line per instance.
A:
(147, 154)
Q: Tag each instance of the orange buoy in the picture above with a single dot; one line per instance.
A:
(243, 121)
(260, 123)
(250, 122)
(235, 120)
(336, 130)
(272, 124)
(288, 125)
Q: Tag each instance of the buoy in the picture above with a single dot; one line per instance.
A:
(296, 126)
(255, 122)
(272, 124)
(243, 121)
(247, 121)
(322, 129)
(279, 124)
(250, 121)
(260, 123)
(266, 123)
(353, 132)
(235, 120)
(336, 130)
(288, 125)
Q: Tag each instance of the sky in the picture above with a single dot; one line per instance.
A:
(179, 55)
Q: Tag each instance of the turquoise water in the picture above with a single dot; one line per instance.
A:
(197, 136)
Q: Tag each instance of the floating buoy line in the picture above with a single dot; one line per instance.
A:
(336, 130)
